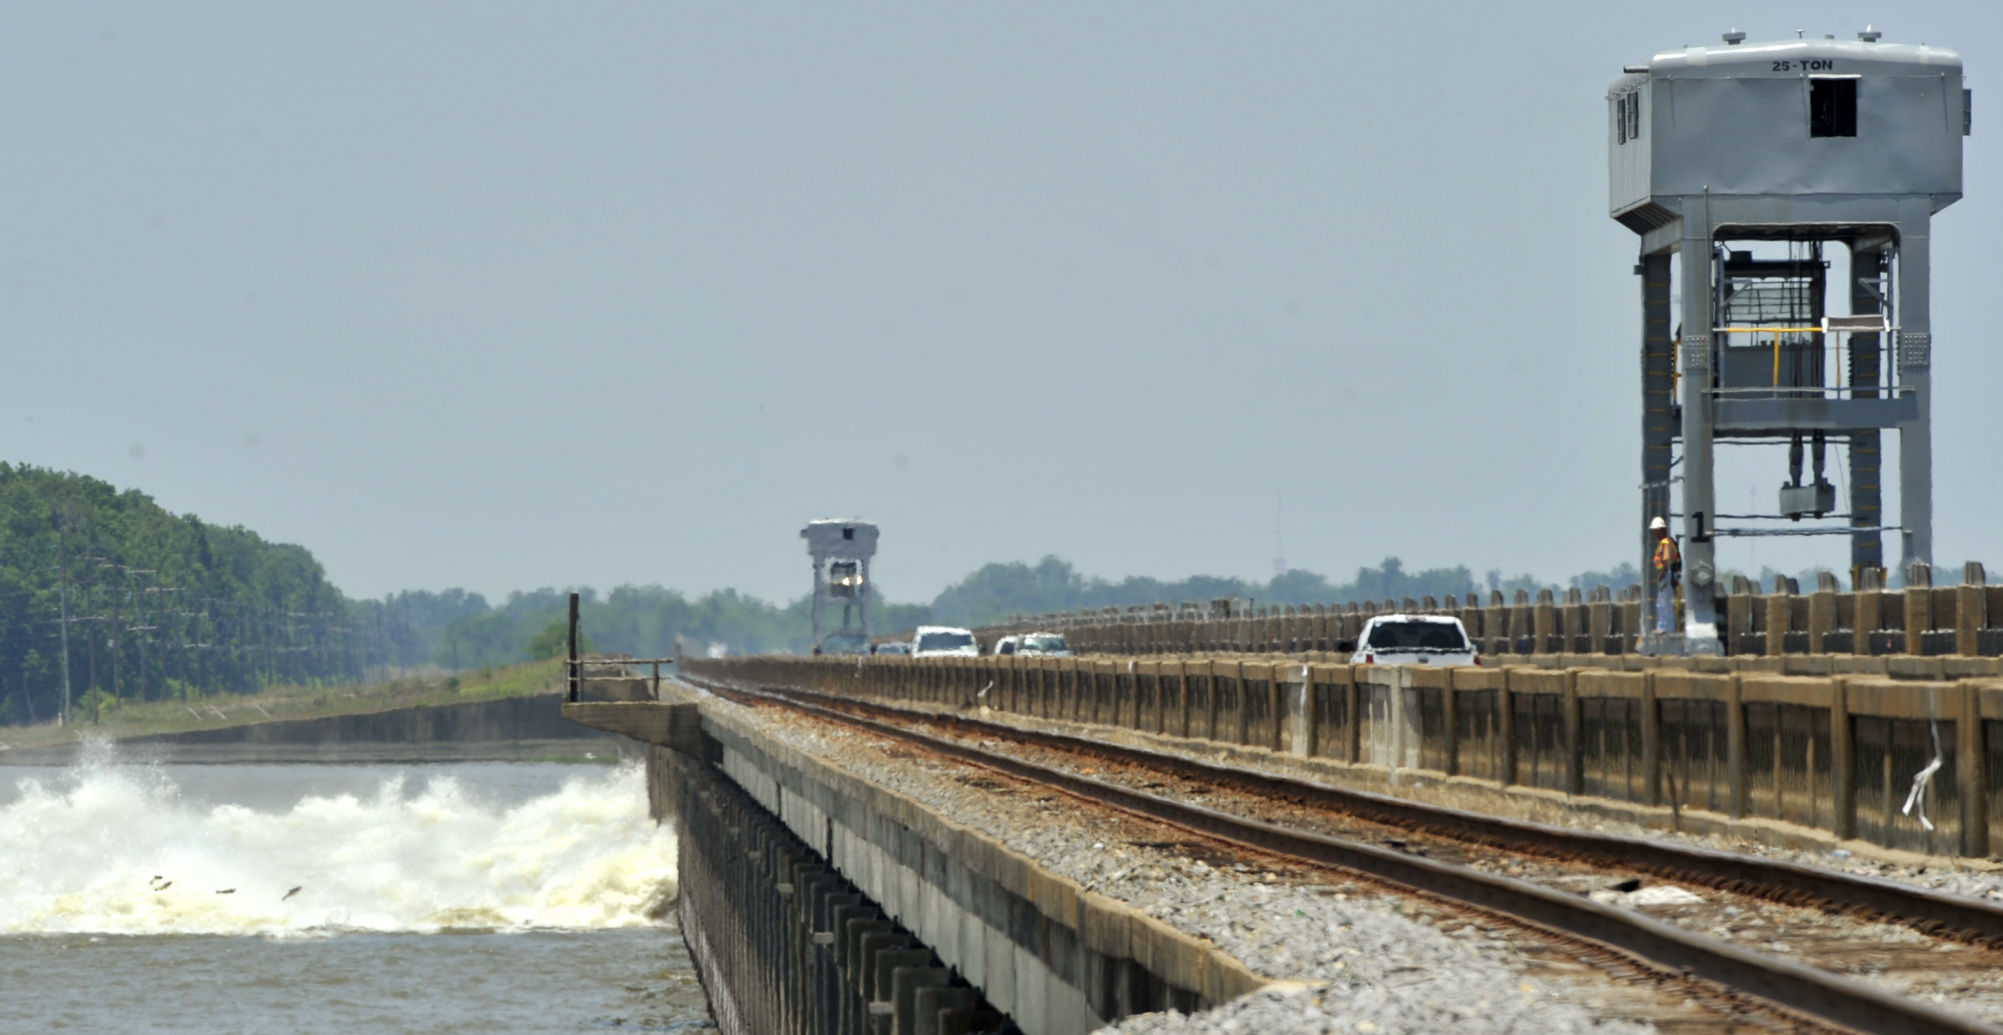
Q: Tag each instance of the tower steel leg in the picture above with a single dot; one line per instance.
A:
(820, 592)
(1658, 410)
(1867, 549)
(1912, 358)
(1700, 614)
(868, 587)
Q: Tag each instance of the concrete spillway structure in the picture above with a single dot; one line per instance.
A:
(815, 901)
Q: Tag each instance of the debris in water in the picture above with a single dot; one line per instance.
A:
(294, 891)
(226, 891)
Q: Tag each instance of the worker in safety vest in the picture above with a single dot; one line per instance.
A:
(1668, 572)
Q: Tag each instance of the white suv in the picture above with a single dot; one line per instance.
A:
(943, 641)
(1414, 640)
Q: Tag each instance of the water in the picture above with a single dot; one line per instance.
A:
(470, 897)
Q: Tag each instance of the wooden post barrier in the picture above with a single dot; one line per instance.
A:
(1777, 606)
(1971, 612)
(1394, 688)
(1298, 693)
(1352, 702)
(1451, 726)
(1651, 743)
(1972, 771)
(1575, 778)
(1735, 747)
(1842, 761)
(1918, 606)
(1822, 613)
(1864, 604)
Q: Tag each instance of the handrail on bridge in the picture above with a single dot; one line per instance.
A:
(574, 677)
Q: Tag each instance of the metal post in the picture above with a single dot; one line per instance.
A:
(575, 673)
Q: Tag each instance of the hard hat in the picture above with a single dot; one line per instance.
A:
(1657, 523)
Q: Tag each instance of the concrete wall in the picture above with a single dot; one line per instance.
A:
(1832, 753)
(778, 926)
(516, 728)
(783, 942)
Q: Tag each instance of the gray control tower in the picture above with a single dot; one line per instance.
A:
(841, 550)
(1752, 172)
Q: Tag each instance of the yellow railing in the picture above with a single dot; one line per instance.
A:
(1777, 332)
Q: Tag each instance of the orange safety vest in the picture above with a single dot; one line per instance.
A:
(1667, 559)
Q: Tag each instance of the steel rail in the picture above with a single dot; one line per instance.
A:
(1789, 985)
(1935, 913)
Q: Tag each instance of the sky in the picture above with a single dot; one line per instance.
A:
(499, 295)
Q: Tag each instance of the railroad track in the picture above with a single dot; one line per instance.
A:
(1528, 873)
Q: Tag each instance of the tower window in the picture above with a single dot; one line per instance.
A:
(1634, 116)
(1832, 107)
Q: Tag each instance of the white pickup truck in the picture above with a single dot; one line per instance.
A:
(1414, 640)
(943, 641)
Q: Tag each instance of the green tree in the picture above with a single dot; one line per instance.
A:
(157, 604)
(554, 642)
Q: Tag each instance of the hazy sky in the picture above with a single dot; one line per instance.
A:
(506, 295)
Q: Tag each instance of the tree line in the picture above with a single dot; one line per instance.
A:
(106, 597)
(999, 591)
(649, 621)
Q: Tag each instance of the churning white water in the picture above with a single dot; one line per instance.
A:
(106, 848)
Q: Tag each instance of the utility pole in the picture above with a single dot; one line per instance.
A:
(117, 643)
(139, 607)
(90, 604)
(63, 594)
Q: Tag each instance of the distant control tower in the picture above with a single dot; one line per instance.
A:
(841, 551)
(1753, 172)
